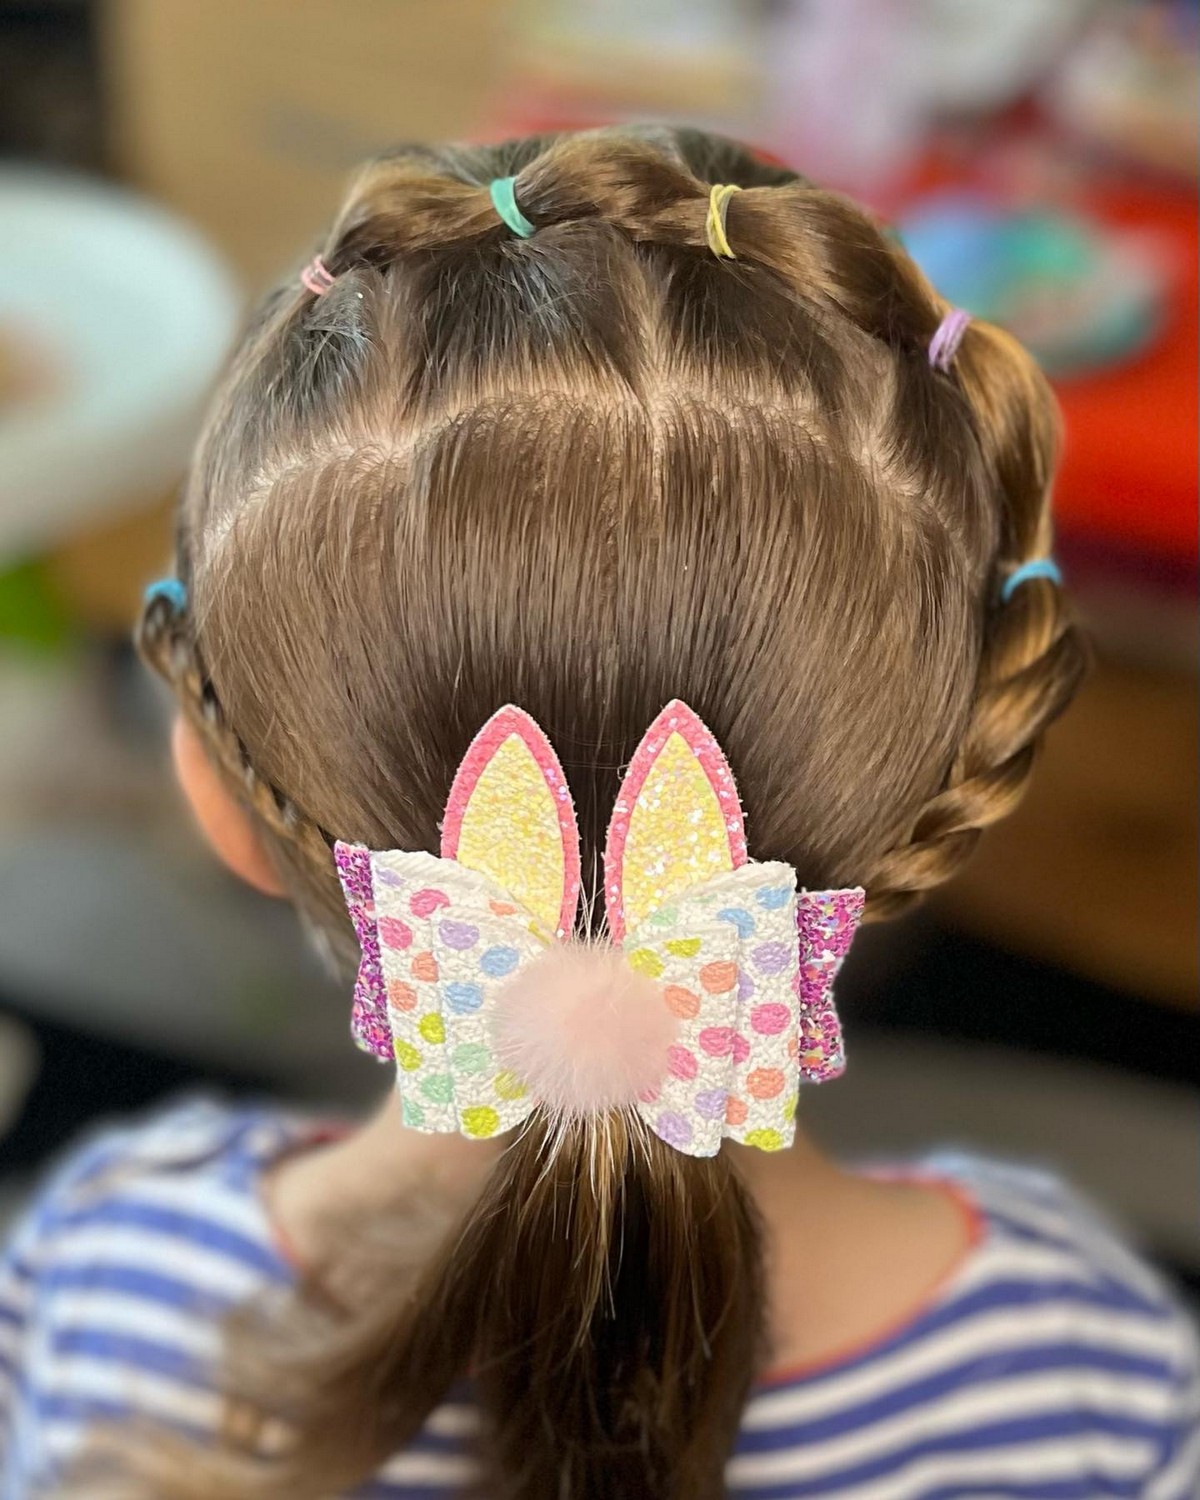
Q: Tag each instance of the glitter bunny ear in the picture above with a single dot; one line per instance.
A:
(677, 820)
(510, 817)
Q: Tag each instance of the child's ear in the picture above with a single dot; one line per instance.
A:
(225, 824)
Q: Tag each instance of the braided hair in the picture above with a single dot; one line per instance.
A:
(588, 468)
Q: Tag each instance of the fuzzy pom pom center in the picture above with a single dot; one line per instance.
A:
(583, 1030)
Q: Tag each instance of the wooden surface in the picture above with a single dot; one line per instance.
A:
(1097, 869)
(101, 574)
(247, 118)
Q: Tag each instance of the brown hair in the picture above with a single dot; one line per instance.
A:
(587, 472)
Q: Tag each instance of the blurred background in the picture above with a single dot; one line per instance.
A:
(163, 160)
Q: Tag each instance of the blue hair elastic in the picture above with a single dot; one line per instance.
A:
(504, 200)
(1038, 567)
(171, 590)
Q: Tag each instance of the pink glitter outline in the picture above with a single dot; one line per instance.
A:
(507, 721)
(675, 718)
(826, 924)
(369, 1023)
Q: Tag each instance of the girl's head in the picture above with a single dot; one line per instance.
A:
(587, 470)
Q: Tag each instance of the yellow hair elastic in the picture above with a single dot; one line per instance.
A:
(714, 226)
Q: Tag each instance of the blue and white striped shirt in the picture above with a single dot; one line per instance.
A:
(1051, 1366)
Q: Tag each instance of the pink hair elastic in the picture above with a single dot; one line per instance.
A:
(943, 346)
(316, 277)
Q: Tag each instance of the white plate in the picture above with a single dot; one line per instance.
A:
(134, 312)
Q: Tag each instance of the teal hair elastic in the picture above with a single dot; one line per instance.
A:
(504, 200)
(1038, 567)
(170, 589)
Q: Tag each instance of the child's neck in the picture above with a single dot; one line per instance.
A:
(847, 1256)
(850, 1258)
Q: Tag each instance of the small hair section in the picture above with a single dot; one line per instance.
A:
(1036, 567)
(316, 277)
(504, 201)
(943, 346)
(714, 224)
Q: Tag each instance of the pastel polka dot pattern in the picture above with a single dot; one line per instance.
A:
(401, 995)
(432, 1027)
(646, 961)
(765, 1083)
(769, 1020)
(731, 958)
(681, 1062)
(716, 978)
(673, 1129)
(438, 1088)
(459, 935)
(499, 961)
(681, 1001)
(508, 1086)
(744, 961)
(480, 1121)
(408, 1057)
(469, 941)
(739, 918)
(393, 933)
(425, 968)
(704, 963)
(717, 1041)
(710, 1104)
(463, 997)
(424, 903)
(471, 1057)
(772, 958)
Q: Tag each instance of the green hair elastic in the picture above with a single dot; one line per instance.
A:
(504, 200)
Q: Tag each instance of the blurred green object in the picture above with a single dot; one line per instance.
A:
(31, 612)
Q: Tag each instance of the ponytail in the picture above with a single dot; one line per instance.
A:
(604, 1295)
(614, 1288)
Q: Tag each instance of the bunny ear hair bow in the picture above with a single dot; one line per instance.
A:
(711, 1002)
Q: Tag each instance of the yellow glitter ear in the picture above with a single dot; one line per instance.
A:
(677, 821)
(509, 816)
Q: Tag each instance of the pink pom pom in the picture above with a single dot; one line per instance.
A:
(583, 1030)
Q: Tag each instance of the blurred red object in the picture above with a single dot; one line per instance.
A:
(1128, 483)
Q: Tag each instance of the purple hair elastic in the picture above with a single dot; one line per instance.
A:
(316, 277)
(943, 346)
